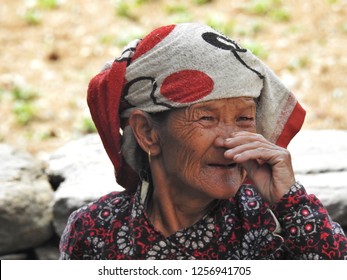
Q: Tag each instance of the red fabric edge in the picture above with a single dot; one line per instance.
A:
(292, 127)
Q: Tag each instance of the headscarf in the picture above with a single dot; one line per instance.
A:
(176, 66)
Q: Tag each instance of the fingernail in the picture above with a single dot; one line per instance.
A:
(219, 141)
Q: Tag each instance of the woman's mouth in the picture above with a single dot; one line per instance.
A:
(223, 166)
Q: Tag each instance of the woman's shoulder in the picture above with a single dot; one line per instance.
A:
(92, 224)
(104, 207)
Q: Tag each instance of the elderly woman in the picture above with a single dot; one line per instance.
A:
(196, 128)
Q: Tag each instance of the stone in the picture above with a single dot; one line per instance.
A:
(317, 151)
(47, 252)
(17, 256)
(85, 173)
(320, 164)
(25, 201)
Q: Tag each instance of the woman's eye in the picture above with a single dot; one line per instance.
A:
(207, 118)
(246, 119)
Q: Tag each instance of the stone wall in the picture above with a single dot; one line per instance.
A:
(36, 197)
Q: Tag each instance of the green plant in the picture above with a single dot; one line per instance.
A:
(23, 106)
(141, 2)
(24, 112)
(178, 13)
(220, 23)
(202, 2)
(125, 9)
(48, 4)
(87, 126)
(344, 27)
(19, 93)
(107, 39)
(332, 1)
(256, 48)
(46, 135)
(257, 27)
(181, 17)
(176, 9)
(280, 15)
(260, 7)
(298, 63)
(32, 17)
(272, 8)
(2, 93)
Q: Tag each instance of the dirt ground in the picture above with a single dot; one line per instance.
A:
(49, 50)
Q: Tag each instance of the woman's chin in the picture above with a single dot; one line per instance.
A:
(226, 178)
(224, 187)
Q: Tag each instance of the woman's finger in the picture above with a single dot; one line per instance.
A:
(237, 150)
(241, 138)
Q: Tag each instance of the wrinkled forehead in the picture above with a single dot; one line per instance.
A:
(231, 104)
(180, 65)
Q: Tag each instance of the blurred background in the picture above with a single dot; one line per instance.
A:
(49, 50)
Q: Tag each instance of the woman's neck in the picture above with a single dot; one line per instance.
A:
(170, 211)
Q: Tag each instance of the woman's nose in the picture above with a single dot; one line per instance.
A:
(225, 131)
(219, 142)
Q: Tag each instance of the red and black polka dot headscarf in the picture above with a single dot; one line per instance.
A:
(176, 66)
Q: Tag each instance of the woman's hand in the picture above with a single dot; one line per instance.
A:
(267, 165)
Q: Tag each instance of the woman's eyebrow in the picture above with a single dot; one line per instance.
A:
(204, 107)
(250, 106)
(211, 107)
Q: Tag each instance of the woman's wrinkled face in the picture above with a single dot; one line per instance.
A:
(192, 146)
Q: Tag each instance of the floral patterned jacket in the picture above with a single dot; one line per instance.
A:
(244, 227)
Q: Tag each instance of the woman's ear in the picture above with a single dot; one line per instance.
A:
(144, 131)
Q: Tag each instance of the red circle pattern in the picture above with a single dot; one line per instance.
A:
(152, 39)
(186, 86)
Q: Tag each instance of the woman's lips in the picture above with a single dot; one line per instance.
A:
(224, 166)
